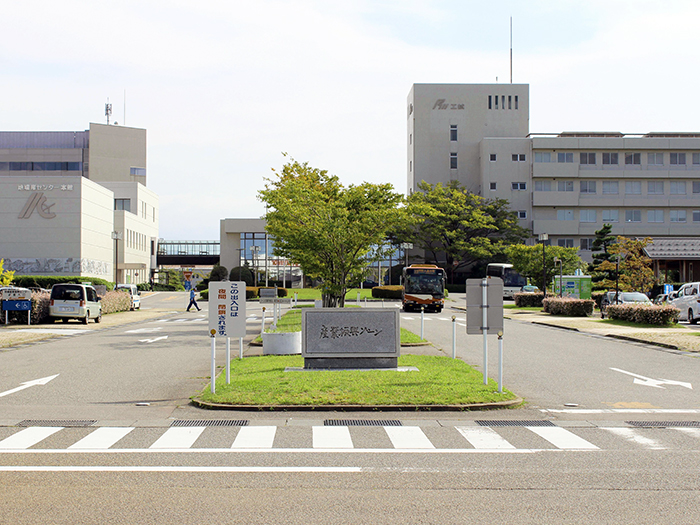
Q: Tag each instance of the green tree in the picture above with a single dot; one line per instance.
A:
(636, 274)
(6, 276)
(527, 261)
(465, 227)
(601, 252)
(241, 273)
(326, 228)
(218, 273)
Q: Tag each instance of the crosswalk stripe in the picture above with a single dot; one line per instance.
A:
(332, 437)
(562, 438)
(255, 437)
(695, 432)
(484, 437)
(102, 438)
(408, 437)
(27, 437)
(179, 437)
(633, 436)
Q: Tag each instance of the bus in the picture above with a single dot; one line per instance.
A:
(423, 286)
(513, 282)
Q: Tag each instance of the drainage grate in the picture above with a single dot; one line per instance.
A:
(664, 424)
(362, 423)
(210, 423)
(514, 423)
(57, 423)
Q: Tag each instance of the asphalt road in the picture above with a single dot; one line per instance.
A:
(128, 464)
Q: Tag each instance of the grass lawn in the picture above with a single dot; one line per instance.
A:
(312, 294)
(440, 381)
(527, 308)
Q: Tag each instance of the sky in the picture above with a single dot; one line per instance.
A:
(225, 87)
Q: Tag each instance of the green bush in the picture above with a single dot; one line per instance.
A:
(643, 313)
(568, 306)
(387, 292)
(456, 288)
(241, 273)
(47, 281)
(528, 299)
(204, 295)
(167, 288)
(218, 273)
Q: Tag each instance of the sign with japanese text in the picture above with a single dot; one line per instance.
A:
(227, 309)
(17, 306)
(16, 294)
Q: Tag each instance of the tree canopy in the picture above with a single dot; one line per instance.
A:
(6, 276)
(636, 274)
(527, 261)
(465, 227)
(326, 228)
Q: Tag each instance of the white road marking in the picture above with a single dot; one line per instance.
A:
(144, 330)
(255, 437)
(484, 438)
(179, 437)
(408, 437)
(622, 410)
(102, 438)
(57, 331)
(562, 438)
(695, 432)
(331, 437)
(633, 436)
(27, 438)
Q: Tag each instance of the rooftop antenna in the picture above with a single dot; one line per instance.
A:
(108, 110)
(511, 49)
(124, 120)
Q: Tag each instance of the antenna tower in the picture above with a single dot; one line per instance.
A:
(108, 111)
(511, 49)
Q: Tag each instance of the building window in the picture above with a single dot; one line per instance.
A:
(492, 157)
(655, 187)
(677, 215)
(543, 185)
(492, 186)
(633, 187)
(609, 158)
(141, 172)
(696, 158)
(565, 215)
(655, 159)
(518, 186)
(410, 166)
(453, 132)
(518, 157)
(587, 158)
(565, 243)
(696, 186)
(565, 157)
(677, 159)
(587, 216)
(516, 101)
(611, 187)
(503, 102)
(122, 204)
(510, 102)
(496, 99)
(453, 161)
(588, 186)
(655, 216)
(522, 214)
(542, 156)
(633, 158)
(490, 102)
(677, 187)
(696, 215)
(587, 243)
(565, 185)
(610, 216)
(633, 216)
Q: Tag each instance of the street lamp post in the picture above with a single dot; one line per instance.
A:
(561, 272)
(116, 235)
(543, 238)
(254, 251)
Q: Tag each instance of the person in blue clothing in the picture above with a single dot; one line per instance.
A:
(193, 292)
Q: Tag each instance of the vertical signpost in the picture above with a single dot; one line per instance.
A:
(485, 316)
(227, 318)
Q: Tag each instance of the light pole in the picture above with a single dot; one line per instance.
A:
(240, 268)
(254, 250)
(116, 235)
(561, 271)
(543, 237)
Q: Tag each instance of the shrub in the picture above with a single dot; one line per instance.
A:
(643, 313)
(113, 302)
(456, 288)
(40, 306)
(167, 287)
(528, 299)
(218, 273)
(568, 306)
(251, 292)
(241, 273)
(387, 292)
(204, 295)
(47, 281)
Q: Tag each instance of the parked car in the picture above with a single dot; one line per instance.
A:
(133, 292)
(528, 288)
(75, 301)
(621, 298)
(662, 298)
(688, 302)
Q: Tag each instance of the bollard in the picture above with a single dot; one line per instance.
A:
(358, 298)
(500, 362)
(228, 360)
(262, 328)
(213, 364)
(454, 337)
(295, 298)
(240, 348)
(422, 319)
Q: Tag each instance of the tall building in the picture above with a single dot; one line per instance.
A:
(567, 184)
(76, 203)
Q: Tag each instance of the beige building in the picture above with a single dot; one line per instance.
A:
(66, 196)
(566, 185)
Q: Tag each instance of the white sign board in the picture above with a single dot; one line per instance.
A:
(16, 294)
(227, 309)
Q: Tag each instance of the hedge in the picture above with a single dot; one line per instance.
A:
(387, 292)
(115, 301)
(529, 299)
(643, 313)
(568, 306)
(47, 281)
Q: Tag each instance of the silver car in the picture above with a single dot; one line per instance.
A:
(75, 301)
(621, 298)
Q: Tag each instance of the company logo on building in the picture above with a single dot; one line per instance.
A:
(443, 104)
(37, 202)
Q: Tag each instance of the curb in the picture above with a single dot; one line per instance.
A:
(351, 408)
(635, 340)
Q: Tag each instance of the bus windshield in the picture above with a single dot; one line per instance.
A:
(424, 283)
(513, 278)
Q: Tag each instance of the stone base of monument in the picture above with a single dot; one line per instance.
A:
(281, 343)
(347, 363)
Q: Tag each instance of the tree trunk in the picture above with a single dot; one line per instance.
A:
(333, 301)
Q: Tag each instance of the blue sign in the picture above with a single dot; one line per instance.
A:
(17, 305)
(668, 288)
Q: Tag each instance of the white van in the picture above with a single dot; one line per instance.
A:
(133, 292)
(688, 302)
(75, 301)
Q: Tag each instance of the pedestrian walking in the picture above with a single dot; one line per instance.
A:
(193, 292)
